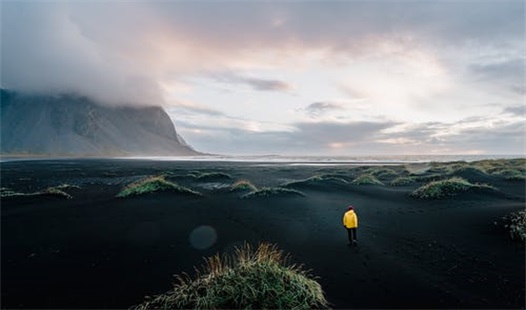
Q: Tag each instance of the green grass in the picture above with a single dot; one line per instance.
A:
(50, 191)
(7, 192)
(511, 174)
(154, 184)
(516, 225)
(54, 191)
(381, 172)
(400, 181)
(494, 166)
(418, 168)
(249, 279)
(445, 188)
(317, 180)
(366, 179)
(207, 176)
(272, 191)
(67, 186)
(466, 169)
(250, 191)
(243, 186)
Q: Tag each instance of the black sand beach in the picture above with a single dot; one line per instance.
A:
(99, 251)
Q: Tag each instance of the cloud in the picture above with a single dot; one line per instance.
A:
(266, 85)
(480, 134)
(118, 52)
(321, 107)
(518, 110)
(192, 108)
(313, 138)
(471, 135)
(391, 54)
(44, 49)
(509, 69)
(259, 84)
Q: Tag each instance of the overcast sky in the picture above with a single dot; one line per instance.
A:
(289, 77)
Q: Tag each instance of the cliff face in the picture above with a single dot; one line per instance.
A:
(77, 126)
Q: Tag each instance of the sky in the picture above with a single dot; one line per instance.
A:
(322, 78)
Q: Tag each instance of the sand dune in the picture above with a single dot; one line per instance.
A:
(99, 251)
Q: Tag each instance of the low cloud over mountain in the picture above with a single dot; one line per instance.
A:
(70, 125)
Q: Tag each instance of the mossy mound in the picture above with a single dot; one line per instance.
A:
(210, 176)
(243, 186)
(7, 192)
(448, 187)
(272, 192)
(511, 174)
(366, 179)
(494, 166)
(50, 191)
(317, 180)
(54, 191)
(401, 181)
(154, 184)
(465, 169)
(250, 279)
(381, 172)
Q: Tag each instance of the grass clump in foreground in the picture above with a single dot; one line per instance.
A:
(249, 279)
(154, 184)
(445, 188)
(366, 179)
(516, 225)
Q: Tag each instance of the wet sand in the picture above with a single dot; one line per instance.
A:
(98, 251)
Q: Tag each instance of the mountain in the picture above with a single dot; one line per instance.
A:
(72, 125)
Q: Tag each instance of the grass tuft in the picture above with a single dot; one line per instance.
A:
(516, 225)
(54, 191)
(317, 180)
(445, 188)
(400, 181)
(273, 191)
(366, 179)
(7, 192)
(466, 169)
(154, 184)
(50, 191)
(66, 186)
(210, 176)
(381, 172)
(243, 186)
(511, 174)
(249, 279)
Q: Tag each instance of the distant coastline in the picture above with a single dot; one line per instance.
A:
(279, 159)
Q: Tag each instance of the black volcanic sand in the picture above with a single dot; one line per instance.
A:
(98, 251)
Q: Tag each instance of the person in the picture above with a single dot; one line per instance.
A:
(350, 222)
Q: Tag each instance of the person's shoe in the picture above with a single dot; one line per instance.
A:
(354, 242)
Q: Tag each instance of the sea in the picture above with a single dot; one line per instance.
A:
(295, 160)
(333, 160)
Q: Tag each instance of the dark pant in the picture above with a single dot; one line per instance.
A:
(351, 232)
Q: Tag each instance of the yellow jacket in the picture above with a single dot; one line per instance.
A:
(350, 220)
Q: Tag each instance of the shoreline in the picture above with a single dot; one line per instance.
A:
(284, 160)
